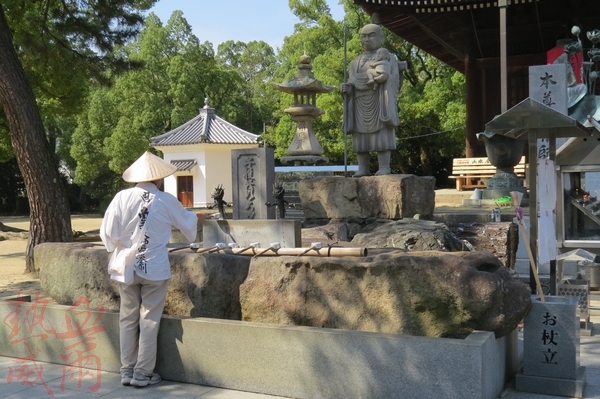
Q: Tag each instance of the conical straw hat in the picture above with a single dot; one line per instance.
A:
(148, 167)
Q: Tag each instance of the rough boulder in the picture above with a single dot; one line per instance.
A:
(201, 285)
(409, 234)
(431, 293)
(385, 197)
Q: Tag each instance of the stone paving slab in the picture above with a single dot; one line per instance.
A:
(49, 385)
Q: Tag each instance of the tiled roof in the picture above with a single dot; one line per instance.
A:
(207, 127)
(184, 164)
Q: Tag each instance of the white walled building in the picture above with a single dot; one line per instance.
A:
(201, 150)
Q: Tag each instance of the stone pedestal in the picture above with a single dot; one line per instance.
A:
(504, 180)
(384, 197)
(551, 349)
(501, 184)
(304, 149)
(245, 232)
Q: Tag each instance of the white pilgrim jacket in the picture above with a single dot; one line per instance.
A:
(136, 229)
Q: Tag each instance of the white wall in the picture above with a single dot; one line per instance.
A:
(213, 168)
(201, 192)
(218, 168)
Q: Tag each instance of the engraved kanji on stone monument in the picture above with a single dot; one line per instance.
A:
(253, 175)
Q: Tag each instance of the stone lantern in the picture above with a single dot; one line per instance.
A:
(304, 149)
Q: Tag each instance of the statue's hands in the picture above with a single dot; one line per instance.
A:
(346, 88)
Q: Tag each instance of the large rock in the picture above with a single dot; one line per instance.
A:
(409, 234)
(70, 270)
(438, 294)
(500, 239)
(428, 293)
(204, 285)
(386, 197)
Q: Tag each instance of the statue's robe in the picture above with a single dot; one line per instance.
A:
(372, 114)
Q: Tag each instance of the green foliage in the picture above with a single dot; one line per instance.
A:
(61, 45)
(88, 138)
(119, 121)
(249, 68)
(6, 151)
(433, 117)
(100, 130)
(64, 47)
(12, 187)
(179, 73)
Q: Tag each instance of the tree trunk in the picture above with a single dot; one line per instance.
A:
(426, 166)
(49, 209)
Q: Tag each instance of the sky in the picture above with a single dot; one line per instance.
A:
(238, 20)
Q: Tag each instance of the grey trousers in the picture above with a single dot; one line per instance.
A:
(142, 304)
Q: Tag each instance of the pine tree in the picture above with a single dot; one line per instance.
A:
(47, 33)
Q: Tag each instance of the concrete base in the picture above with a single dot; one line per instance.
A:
(298, 362)
(299, 160)
(178, 237)
(552, 386)
(490, 203)
(493, 193)
(288, 233)
(587, 329)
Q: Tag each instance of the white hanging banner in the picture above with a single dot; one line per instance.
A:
(546, 213)
(547, 85)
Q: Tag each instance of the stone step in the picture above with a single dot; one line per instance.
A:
(294, 214)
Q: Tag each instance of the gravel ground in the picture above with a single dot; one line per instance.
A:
(12, 253)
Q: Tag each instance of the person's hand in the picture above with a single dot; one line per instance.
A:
(201, 217)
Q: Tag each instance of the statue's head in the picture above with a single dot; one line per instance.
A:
(278, 190)
(382, 54)
(371, 37)
(218, 192)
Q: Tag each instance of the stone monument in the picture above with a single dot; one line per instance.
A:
(551, 349)
(253, 175)
(304, 149)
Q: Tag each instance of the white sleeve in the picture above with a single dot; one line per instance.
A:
(181, 218)
(187, 222)
(110, 227)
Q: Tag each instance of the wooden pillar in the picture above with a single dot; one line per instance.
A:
(533, 206)
(474, 102)
(502, 4)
